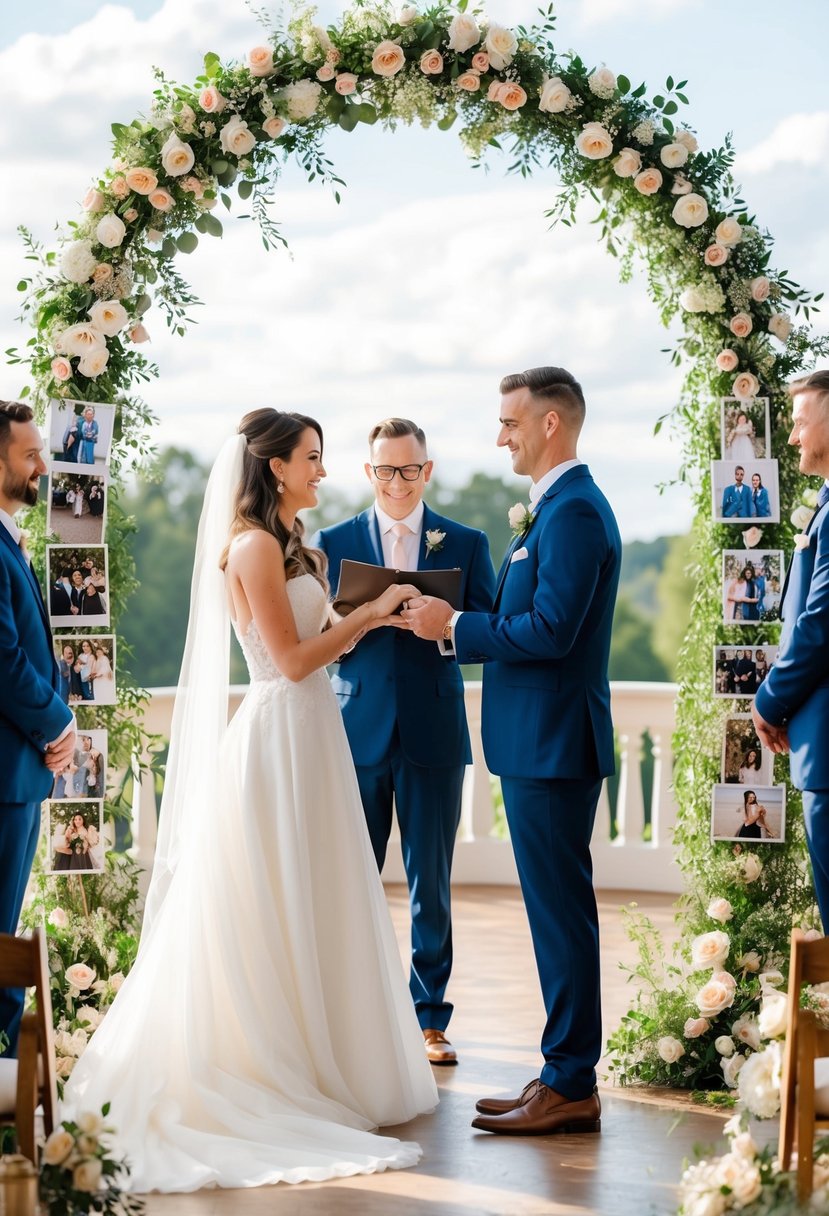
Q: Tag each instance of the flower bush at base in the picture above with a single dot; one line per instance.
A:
(78, 1173)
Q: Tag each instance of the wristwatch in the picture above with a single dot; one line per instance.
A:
(447, 631)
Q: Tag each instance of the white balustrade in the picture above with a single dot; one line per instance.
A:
(632, 850)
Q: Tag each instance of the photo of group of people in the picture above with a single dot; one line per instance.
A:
(76, 841)
(752, 580)
(78, 582)
(739, 671)
(76, 505)
(744, 483)
(81, 433)
(86, 669)
(85, 775)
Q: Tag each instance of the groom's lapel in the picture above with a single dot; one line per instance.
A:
(372, 532)
(27, 567)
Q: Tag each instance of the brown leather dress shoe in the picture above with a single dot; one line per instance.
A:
(438, 1048)
(499, 1106)
(543, 1112)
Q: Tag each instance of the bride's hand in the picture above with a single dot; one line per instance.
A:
(384, 608)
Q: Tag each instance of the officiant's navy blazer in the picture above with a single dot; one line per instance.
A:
(391, 675)
(31, 711)
(546, 703)
(795, 693)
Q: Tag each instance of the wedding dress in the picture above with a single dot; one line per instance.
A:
(741, 448)
(266, 1027)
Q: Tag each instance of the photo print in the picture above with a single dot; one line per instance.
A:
(85, 776)
(76, 504)
(745, 427)
(740, 670)
(745, 492)
(744, 760)
(752, 583)
(78, 581)
(86, 668)
(755, 813)
(75, 842)
(80, 434)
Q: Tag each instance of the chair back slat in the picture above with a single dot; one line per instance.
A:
(24, 963)
(18, 962)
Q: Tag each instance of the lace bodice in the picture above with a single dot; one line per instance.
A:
(309, 605)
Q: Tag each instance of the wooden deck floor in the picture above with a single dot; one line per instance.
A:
(631, 1169)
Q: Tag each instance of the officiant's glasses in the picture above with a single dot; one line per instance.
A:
(409, 472)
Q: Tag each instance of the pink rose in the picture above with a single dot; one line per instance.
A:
(512, 96)
(494, 90)
(740, 325)
(138, 333)
(480, 61)
(119, 187)
(325, 73)
(745, 385)
(760, 288)
(61, 370)
(130, 214)
(260, 61)
(141, 180)
(648, 181)
(727, 360)
(431, 63)
(345, 84)
(94, 200)
(469, 81)
(387, 59)
(211, 100)
(694, 1027)
(161, 200)
(273, 128)
(715, 255)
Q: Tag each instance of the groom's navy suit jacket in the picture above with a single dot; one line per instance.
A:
(546, 700)
(796, 690)
(31, 711)
(394, 678)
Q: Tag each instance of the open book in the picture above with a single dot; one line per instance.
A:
(361, 582)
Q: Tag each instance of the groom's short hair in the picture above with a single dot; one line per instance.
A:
(12, 411)
(396, 428)
(815, 381)
(553, 384)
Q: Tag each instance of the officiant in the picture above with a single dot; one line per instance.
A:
(402, 703)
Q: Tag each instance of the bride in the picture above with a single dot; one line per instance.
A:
(266, 1028)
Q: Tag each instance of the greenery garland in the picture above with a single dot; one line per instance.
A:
(659, 197)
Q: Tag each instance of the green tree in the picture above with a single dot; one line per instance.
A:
(674, 593)
(632, 655)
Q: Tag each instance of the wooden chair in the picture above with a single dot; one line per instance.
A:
(806, 1040)
(29, 1080)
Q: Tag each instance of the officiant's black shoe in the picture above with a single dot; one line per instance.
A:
(543, 1112)
(438, 1048)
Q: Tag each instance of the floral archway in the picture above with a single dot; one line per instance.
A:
(659, 198)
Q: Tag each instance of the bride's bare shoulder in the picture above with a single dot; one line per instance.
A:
(253, 544)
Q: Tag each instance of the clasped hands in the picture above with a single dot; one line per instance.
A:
(423, 615)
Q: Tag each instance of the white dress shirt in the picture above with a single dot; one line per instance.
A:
(410, 542)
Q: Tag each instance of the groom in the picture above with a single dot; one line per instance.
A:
(403, 707)
(547, 729)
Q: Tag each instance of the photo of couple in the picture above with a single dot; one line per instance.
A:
(752, 582)
(75, 840)
(745, 430)
(757, 813)
(745, 493)
(77, 580)
(86, 669)
(744, 760)
(76, 505)
(84, 775)
(81, 433)
(739, 672)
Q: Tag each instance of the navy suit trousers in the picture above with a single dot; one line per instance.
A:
(19, 831)
(816, 820)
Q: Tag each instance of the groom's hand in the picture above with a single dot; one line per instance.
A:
(775, 738)
(426, 616)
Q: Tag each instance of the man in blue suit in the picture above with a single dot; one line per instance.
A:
(791, 707)
(403, 707)
(547, 729)
(760, 503)
(736, 499)
(37, 733)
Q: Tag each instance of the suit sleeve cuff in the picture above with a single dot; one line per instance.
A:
(448, 647)
(70, 726)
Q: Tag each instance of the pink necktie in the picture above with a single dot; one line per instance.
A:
(398, 549)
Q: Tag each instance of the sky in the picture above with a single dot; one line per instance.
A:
(431, 280)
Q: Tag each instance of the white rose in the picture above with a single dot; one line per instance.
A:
(741, 1177)
(90, 1017)
(64, 1066)
(670, 1049)
(802, 542)
(729, 232)
(116, 980)
(77, 262)
(463, 32)
(687, 139)
(594, 141)
(93, 200)
(731, 1067)
(721, 910)
(681, 185)
(516, 514)
(673, 156)
(714, 997)
(236, 137)
(90, 1123)
(602, 82)
(747, 1031)
(80, 339)
(759, 1082)
(110, 230)
(752, 867)
(555, 96)
(770, 980)
(710, 950)
(780, 325)
(724, 1045)
(388, 59)
(58, 918)
(501, 45)
(211, 100)
(627, 163)
(743, 1145)
(648, 181)
(86, 1176)
(407, 15)
(694, 1027)
(760, 287)
(260, 61)
(772, 1019)
(177, 157)
(58, 1147)
(745, 386)
(302, 98)
(691, 210)
(91, 366)
(141, 180)
(750, 961)
(109, 316)
(801, 517)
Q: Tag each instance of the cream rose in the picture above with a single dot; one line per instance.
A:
(687, 139)
(91, 366)
(78, 262)
(741, 325)
(729, 232)
(58, 1147)
(741, 1178)
(86, 1175)
(260, 61)
(694, 1027)
(110, 230)
(236, 137)
(186, 119)
(480, 61)
(745, 385)
(463, 33)
(690, 210)
(731, 1067)
(501, 45)
(602, 82)
(516, 515)
(79, 976)
(670, 1049)
(407, 15)
(710, 950)
(594, 141)
(61, 371)
(721, 910)
(715, 255)
(119, 188)
(388, 59)
(138, 334)
(92, 1018)
(161, 200)
(93, 200)
(673, 156)
(692, 300)
(750, 961)
(116, 980)
(801, 517)
(177, 157)
(470, 82)
(772, 1019)
(431, 63)
(752, 538)
(211, 100)
(724, 1044)
(80, 339)
(325, 73)
(512, 96)
(759, 1084)
(648, 181)
(302, 98)
(141, 180)
(193, 185)
(109, 316)
(680, 184)
(770, 980)
(780, 325)
(760, 287)
(345, 84)
(747, 1031)
(130, 216)
(727, 360)
(714, 997)
(273, 127)
(555, 96)
(628, 163)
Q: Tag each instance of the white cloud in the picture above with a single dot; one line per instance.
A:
(799, 139)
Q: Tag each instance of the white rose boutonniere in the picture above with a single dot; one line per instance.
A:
(520, 519)
(801, 542)
(434, 540)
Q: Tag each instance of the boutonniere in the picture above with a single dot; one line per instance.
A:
(801, 542)
(520, 518)
(434, 540)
